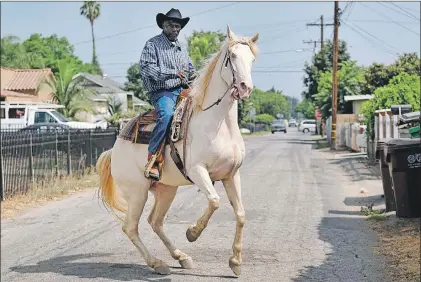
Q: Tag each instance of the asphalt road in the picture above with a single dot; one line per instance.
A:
(299, 227)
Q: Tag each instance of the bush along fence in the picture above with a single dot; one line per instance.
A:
(30, 157)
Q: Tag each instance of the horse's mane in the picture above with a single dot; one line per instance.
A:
(201, 84)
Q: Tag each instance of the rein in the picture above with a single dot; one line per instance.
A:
(227, 60)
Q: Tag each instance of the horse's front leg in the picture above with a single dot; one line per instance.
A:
(233, 189)
(200, 176)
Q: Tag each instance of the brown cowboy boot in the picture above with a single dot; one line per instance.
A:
(154, 165)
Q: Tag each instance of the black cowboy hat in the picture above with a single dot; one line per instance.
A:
(174, 15)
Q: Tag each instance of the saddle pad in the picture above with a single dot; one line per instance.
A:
(139, 129)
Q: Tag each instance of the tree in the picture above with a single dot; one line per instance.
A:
(378, 75)
(14, 55)
(92, 10)
(350, 82)
(53, 49)
(402, 89)
(322, 62)
(202, 44)
(134, 82)
(268, 102)
(306, 107)
(264, 118)
(115, 109)
(68, 92)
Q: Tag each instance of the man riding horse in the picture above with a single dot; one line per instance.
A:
(165, 68)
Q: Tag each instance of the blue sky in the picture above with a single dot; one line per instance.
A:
(282, 26)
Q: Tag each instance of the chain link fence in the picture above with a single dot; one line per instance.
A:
(32, 157)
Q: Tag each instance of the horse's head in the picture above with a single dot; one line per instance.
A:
(237, 63)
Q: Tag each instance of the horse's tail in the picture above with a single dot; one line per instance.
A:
(107, 191)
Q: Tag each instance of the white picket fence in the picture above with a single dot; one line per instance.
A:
(352, 135)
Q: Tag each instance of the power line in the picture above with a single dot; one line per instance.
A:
(282, 35)
(389, 18)
(393, 47)
(153, 25)
(285, 51)
(137, 50)
(402, 12)
(384, 21)
(368, 39)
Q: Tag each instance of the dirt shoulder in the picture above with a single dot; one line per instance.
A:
(398, 238)
(400, 244)
(51, 190)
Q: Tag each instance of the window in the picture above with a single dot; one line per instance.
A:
(43, 117)
(129, 102)
(17, 113)
(3, 113)
(59, 116)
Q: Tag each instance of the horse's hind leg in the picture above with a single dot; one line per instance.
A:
(136, 202)
(164, 196)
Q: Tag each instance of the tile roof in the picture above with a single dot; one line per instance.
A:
(8, 93)
(22, 79)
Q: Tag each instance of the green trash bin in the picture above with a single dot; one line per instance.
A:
(415, 132)
(389, 195)
(404, 159)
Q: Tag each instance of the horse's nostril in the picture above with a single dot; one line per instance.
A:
(243, 86)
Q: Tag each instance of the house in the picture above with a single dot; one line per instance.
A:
(102, 91)
(24, 85)
(357, 101)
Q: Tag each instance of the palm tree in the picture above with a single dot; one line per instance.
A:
(91, 10)
(68, 92)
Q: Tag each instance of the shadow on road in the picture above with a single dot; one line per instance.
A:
(351, 258)
(66, 265)
(357, 169)
(364, 201)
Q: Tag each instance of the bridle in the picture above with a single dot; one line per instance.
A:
(225, 62)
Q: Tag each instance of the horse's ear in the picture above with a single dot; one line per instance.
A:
(230, 34)
(255, 38)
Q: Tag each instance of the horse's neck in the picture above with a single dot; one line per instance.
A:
(225, 112)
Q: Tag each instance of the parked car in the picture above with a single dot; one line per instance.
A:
(279, 125)
(307, 125)
(292, 123)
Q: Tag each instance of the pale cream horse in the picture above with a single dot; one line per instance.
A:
(214, 151)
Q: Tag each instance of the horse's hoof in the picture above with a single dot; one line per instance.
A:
(190, 235)
(162, 269)
(186, 263)
(235, 268)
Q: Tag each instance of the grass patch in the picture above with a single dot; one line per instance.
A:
(373, 214)
(49, 189)
(400, 245)
(259, 133)
(318, 138)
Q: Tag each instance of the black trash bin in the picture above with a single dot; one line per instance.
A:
(404, 159)
(389, 195)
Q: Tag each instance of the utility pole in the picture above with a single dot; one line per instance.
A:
(313, 42)
(335, 76)
(321, 25)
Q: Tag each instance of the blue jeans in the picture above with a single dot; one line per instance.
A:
(164, 103)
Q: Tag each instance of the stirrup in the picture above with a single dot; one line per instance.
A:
(154, 163)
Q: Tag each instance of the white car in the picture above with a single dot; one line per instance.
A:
(307, 125)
